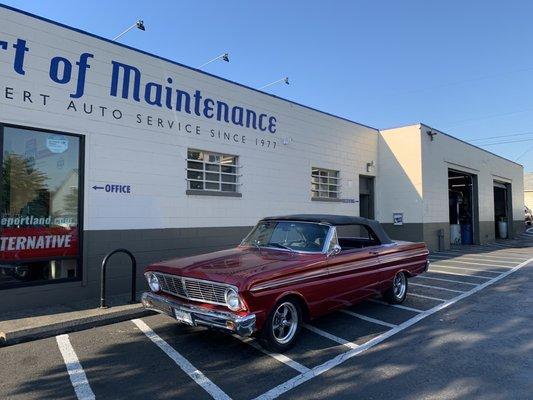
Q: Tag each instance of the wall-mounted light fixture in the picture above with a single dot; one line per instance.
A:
(286, 80)
(223, 57)
(370, 166)
(139, 25)
(431, 134)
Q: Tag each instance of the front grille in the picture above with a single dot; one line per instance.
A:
(193, 289)
(171, 284)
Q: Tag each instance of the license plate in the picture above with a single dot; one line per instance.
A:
(183, 317)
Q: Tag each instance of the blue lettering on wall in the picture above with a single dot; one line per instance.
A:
(114, 188)
(126, 73)
(126, 82)
(20, 51)
(57, 64)
(83, 66)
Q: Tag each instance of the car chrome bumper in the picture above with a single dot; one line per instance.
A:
(241, 325)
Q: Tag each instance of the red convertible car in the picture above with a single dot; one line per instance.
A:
(288, 270)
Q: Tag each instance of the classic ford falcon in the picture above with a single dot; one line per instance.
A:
(288, 270)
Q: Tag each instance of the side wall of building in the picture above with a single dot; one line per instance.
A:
(528, 199)
(400, 184)
(445, 152)
(413, 180)
(528, 190)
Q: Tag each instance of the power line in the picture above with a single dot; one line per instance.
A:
(501, 136)
(462, 82)
(512, 141)
(505, 142)
(467, 120)
(524, 153)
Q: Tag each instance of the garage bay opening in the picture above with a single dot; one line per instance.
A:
(502, 209)
(462, 193)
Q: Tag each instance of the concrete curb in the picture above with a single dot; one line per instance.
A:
(79, 321)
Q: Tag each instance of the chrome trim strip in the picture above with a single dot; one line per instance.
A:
(354, 266)
(281, 249)
(329, 236)
(289, 281)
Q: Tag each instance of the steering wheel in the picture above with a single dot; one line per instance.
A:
(304, 243)
(297, 243)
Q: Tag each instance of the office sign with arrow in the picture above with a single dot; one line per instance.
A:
(113, 188)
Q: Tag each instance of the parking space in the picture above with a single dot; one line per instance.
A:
(157, 358)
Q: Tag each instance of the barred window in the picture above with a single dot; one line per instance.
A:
(212, 171)
(325, 183)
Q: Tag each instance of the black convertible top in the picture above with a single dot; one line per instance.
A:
(336, 220)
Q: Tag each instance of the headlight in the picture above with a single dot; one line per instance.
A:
(153, 282)
(232, 300)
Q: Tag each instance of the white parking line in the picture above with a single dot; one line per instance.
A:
(424, 297)
(483, 256)
(499, 263)
(369, 319)
(280, 357)
(472, 258)
(505, 246)
(461, 261)
(75, 371)
(395, 305)
(503, 256)
(320, 369)
(459, 274)
(503, 250)
(437, 287)
(489, 271)
(446, 280)
(490, 255)
(182, 362)
(330, 336)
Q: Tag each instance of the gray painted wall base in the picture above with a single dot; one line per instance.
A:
(151, 245)
(147, 245)
(428, 233)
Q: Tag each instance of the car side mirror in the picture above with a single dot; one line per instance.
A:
(335, 250)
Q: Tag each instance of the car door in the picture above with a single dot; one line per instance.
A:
(353, 274)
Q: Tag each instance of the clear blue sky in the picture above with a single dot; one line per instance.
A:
(463, 67)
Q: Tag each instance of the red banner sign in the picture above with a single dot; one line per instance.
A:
(34, 243)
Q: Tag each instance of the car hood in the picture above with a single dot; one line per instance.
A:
(239, 266)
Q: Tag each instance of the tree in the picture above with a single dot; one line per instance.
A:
(21, 183)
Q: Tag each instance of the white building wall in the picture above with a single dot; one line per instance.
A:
(528, 190)
(413, 179)
(446, 152)
(400, 185)
(152, 159)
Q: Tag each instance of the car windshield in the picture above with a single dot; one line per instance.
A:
(294, 236)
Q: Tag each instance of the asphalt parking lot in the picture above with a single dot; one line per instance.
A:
(464, 331)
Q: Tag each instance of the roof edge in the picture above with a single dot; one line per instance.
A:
(178, 64)
(470, 144)
(421, 124)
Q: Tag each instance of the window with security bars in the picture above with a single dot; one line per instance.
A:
(325, 183)
(212, 171)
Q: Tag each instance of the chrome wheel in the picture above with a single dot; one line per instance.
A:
(399, 285)
(284, 323)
